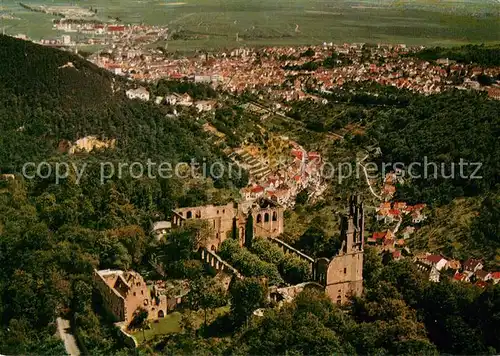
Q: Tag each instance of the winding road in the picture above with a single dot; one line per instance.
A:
(64, 331)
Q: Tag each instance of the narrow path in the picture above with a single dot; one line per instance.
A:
(63, 329)
(397, 226)
(368, 180)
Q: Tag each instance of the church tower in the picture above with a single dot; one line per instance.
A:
(344, 276)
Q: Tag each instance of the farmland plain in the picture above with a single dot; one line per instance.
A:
(209, 24)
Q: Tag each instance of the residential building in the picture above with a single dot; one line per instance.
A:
(472, 265)
(161, 228)
(495, 276)
(429, 270)
(437, 261)
(140, 93)
(483, 275)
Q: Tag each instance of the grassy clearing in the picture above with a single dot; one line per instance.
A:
(172, 323)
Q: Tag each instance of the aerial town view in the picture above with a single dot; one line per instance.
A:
(198, 177)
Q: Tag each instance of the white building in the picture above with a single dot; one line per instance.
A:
(66, 40)
(161, 228)
(139, 93)
(204, 105)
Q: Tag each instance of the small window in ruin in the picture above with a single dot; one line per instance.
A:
(266, 217)
(259, 218)
(223, 211)
(142, 292)
(135, 294)
(189, 215)
(275, 216)
(345, 270)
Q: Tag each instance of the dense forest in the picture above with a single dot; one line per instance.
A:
(438, 132)
(400, 313)
(476, 54)
(53, 233)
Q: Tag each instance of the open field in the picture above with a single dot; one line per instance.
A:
(208, 24)
(172, 323)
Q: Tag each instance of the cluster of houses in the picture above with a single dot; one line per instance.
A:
(389, 189)
(300, 172)
(392, 211)
(470, 270)
(187, 101)
(387, 241)
(269, 69)
(173, 99)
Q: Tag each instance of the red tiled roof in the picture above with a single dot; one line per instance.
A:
(434, 258)
(389, 188)
(481, 284)
(312, 155)
(257, 189)
(399, 205)
(297, 154)
(395, 212)
(459, 276)
(385, 205)
(388, 242)
(116, 28)
(471, 263)
(495, 275)
(482, 273)
(379, 235)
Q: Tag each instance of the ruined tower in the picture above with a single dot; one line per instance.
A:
(344, 273)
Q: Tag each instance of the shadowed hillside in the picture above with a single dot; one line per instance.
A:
(36, 74)
(47, 96)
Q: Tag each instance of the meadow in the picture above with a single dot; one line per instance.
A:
(209, 24)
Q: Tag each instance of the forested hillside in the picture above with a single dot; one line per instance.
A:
(53, 235)
(436, 133)
(44, 101)
(477, 54)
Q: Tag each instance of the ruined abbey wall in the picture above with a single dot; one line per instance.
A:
(344, 277)
(267, 221)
